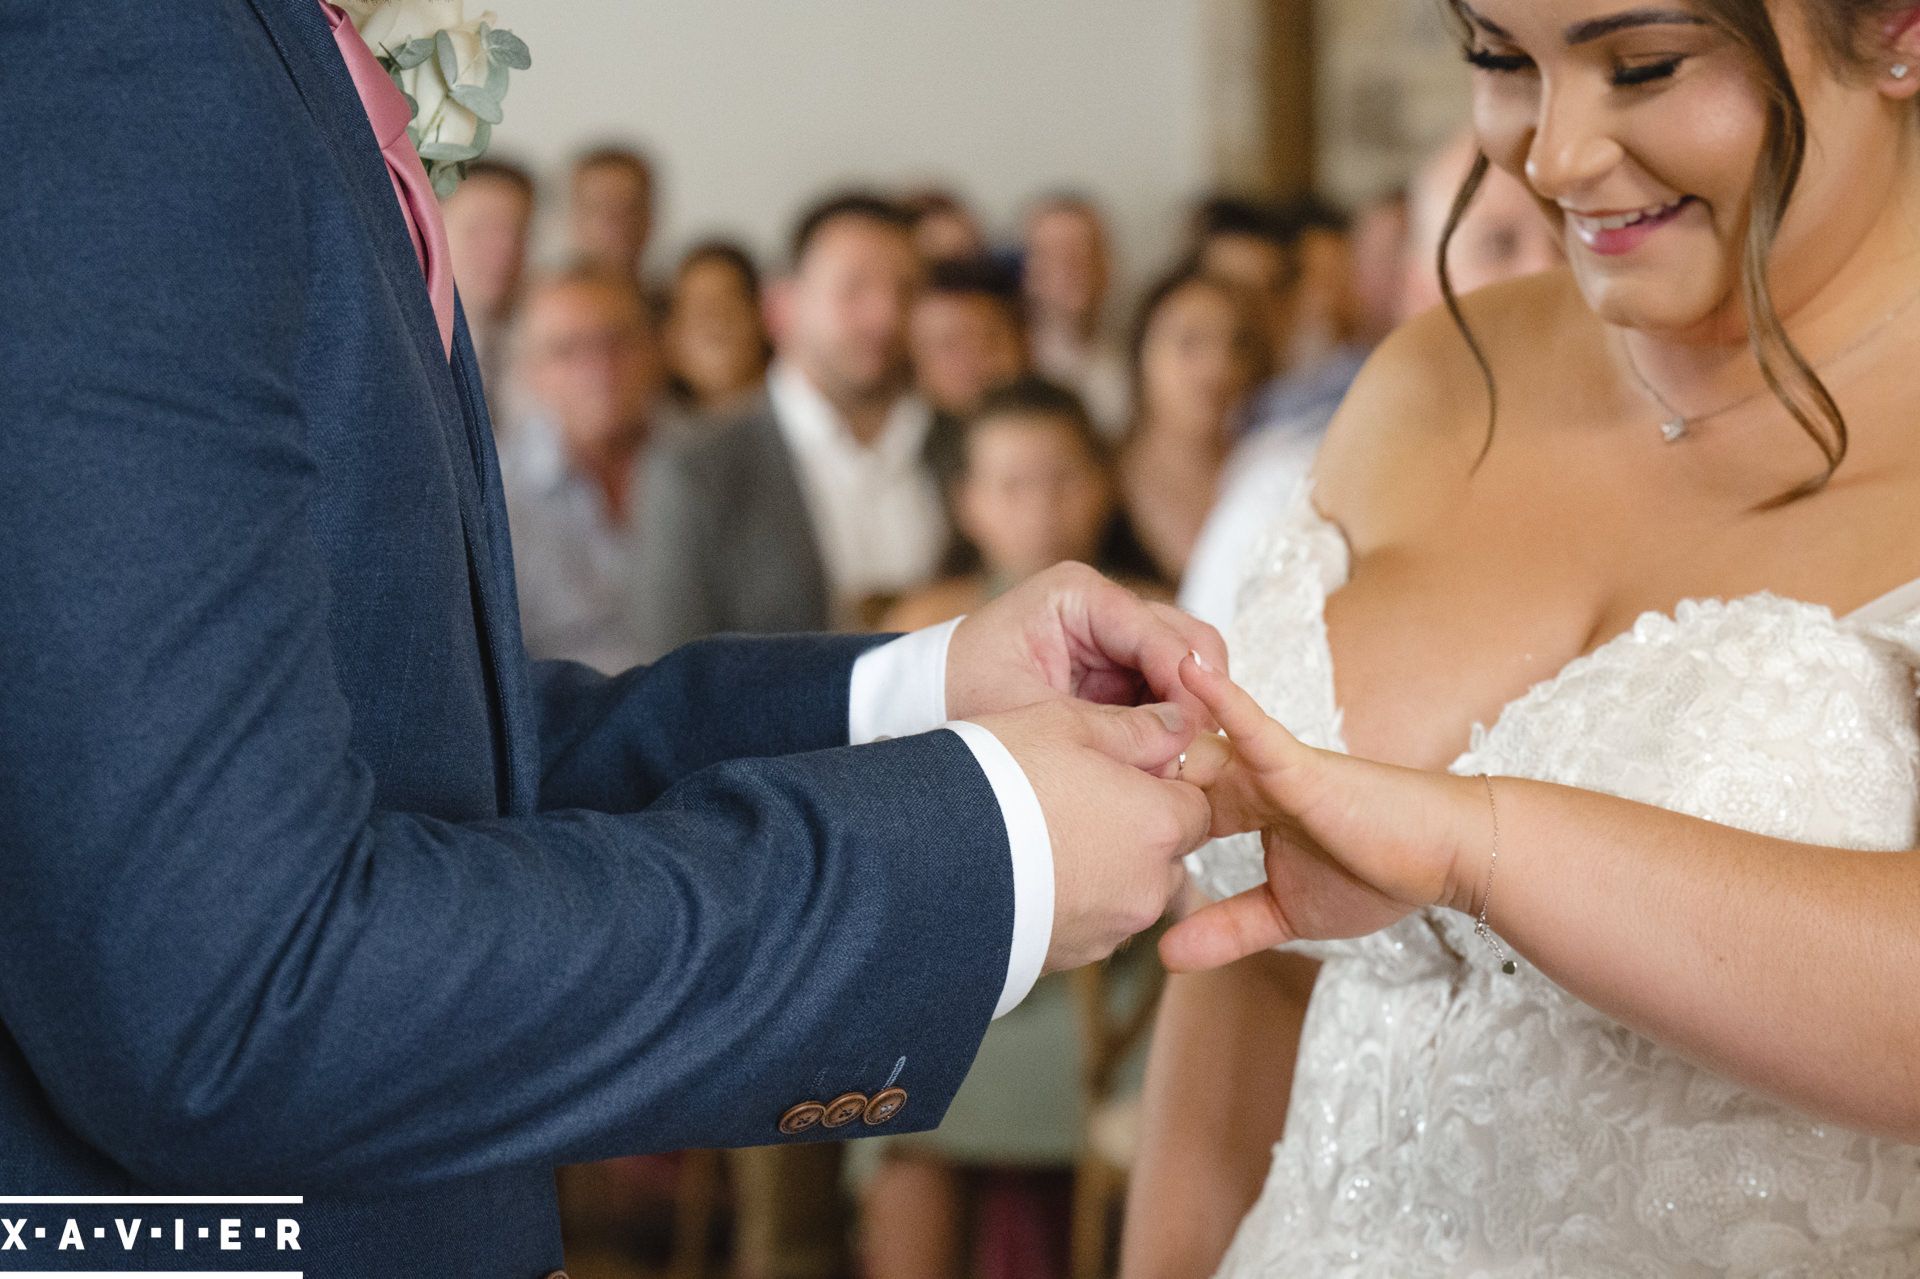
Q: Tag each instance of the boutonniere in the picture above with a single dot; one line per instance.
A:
(453, 71)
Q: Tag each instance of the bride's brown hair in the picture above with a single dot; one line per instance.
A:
(1838, 25)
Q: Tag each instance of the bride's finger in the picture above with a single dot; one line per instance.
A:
(1258, 740)
(1229, 930)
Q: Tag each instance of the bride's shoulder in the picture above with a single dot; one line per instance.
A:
(1415, 420)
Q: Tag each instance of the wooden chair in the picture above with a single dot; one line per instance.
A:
(1108, 1038)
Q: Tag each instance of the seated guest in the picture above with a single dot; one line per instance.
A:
(487, 218)
(1501, 235)
(1295, 264)
(944, 228)
(818, 498)
(1068, 270)
(590, 361)
(610, 196)
(966, 335)
(1033, 486)
(1198, 351)
(716, 336)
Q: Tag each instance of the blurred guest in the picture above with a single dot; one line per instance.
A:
(944, 228)
(1033, 485)
(1323, 303)
(1502, 234)
(1322, 349)
(966, 334)
(1380, 240)
(716, 334)
(818, 498)
(1197, 354)
(487, 218)
(1251, 246)
(1069, 268)
(610, 209)
(591, 363)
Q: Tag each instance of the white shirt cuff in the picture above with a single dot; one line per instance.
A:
(1032, 861)
(900, 689)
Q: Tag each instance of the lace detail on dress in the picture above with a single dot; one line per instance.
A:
(1448, 1120)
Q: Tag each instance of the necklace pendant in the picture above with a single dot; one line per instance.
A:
(1673, 429)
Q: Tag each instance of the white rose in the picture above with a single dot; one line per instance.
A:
(440, 118)
(388, 24)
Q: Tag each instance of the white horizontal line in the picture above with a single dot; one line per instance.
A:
(151, 1199)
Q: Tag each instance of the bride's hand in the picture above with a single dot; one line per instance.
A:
(1351, 846)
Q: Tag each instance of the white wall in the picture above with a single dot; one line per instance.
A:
(753, 106)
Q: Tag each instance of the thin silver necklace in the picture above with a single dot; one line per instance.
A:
(1677, 425)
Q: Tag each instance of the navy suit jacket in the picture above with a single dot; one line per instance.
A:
(310, 883)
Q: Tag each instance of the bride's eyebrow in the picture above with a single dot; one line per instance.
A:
(1598, 28)
(1593, 28)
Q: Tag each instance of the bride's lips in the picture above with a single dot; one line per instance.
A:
(1623, 231)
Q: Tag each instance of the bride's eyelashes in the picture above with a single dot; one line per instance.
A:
(1625, 75)
(1487, 60)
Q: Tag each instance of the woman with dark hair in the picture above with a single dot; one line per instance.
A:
(1197, 351)
(716, 336)
(1610, 960)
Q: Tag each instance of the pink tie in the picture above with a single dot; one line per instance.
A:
(387, 111)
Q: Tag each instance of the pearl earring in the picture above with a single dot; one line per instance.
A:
(1901, 70)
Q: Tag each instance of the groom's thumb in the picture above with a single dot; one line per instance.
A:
(1229, 930)
(1145, 737)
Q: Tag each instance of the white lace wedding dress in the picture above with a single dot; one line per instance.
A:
(1448, 1119)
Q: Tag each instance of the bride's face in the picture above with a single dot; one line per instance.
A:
(1638, 127)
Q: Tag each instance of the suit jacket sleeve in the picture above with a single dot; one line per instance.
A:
(227, 965)
(615, 743)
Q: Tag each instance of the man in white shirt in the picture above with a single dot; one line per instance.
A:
(818, 500)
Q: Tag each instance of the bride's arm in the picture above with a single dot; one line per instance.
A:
(1218, 1080)
(1789, 968)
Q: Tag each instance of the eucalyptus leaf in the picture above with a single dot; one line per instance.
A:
(413, 53)
(445, 177)
(449, 59)
(497, 79)
(510, 49)
(478, 101)
(482, 137)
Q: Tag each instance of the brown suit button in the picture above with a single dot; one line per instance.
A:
(802, 1117)
(885, 1106)
(844, 1109)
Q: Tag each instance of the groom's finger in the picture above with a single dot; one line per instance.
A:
(1259, 742)
(1149, 738)
(1217, 935)
(1124, 632)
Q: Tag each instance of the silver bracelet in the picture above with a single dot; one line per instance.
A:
(1480, 926)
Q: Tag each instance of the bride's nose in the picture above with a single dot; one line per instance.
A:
(1572, 146)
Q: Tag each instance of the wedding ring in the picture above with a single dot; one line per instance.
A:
(1180, 766)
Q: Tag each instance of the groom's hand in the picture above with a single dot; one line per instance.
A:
(1118, 831)
(1069, 632)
